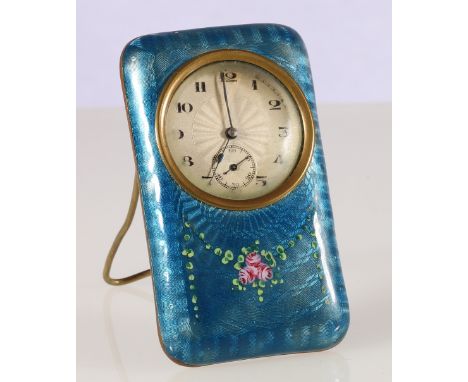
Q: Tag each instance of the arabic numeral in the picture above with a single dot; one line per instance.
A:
(184, 107)
(261, 180)
(230, 77)
(200, 87)
(188, 161)
(275, 104)
(283, 132)
(278, 160)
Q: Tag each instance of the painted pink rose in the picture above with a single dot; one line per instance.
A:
(253, 259)
(264, 272)
(247, 275)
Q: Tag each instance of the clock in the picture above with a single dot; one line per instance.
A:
(234, 129)
(231, 174)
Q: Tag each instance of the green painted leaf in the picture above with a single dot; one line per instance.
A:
(191, 277)
(229, 255)
(218, 251)
(186, 237)
(240, 258)
(201, 235)
(280, 249)
(194, 299)
(224, 260)
(189, 265)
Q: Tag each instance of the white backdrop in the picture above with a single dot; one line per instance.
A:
(349, 46)
(349, 41)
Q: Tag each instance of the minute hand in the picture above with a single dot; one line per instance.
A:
(226, 102)
(230, 131)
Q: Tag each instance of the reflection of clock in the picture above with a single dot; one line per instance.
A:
(225, 102)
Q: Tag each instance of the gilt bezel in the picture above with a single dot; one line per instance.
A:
(286, 80)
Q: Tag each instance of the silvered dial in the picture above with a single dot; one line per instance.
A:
(233, 130)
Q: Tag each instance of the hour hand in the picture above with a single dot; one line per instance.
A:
(215, 162)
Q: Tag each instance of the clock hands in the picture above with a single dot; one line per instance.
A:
(217, 160)
(233, 167)
(231, 132)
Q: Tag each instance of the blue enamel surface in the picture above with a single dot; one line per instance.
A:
(203, 317)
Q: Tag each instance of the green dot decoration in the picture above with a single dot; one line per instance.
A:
(269, 257)
(229, 255)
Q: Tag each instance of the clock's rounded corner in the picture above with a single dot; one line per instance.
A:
(293, 34)
(178, 357)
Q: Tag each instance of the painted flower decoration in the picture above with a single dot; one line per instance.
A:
(264, 272)
(253, 259)
(248, 274)
(254, 269)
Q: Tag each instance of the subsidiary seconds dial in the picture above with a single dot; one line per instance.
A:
(235, 130)
(237, 169)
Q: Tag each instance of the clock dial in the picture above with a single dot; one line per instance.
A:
(232, 130)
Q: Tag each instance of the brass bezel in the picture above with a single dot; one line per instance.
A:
(288, 82)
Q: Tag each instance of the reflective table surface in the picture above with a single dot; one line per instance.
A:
(117, 338)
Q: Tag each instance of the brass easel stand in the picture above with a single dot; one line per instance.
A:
(118, 239)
